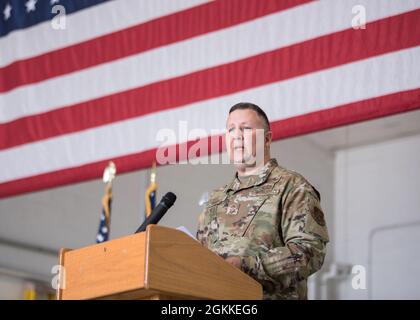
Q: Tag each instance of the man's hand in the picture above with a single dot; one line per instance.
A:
(234, 261)
(236, 251)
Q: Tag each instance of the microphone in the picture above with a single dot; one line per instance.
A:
(158, 212)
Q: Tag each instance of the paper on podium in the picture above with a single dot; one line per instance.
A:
(185, 230)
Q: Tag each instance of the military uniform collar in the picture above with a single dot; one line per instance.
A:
(260, 177)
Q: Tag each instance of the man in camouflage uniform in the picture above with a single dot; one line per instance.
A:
(268, 220)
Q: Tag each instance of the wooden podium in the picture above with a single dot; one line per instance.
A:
(160, 263)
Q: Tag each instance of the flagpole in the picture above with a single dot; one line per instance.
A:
(105, 222)
(150, 194)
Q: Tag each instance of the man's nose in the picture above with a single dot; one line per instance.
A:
(237, 134)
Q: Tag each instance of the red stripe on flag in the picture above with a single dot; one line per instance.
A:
(328, 51)
(162, 31)
(311, 122)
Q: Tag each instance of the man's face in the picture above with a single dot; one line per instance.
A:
(245, 137)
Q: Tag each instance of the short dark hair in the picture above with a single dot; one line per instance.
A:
(251, 106)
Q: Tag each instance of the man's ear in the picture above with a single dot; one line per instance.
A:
(268, 138)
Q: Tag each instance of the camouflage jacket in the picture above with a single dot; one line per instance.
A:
(274, 222)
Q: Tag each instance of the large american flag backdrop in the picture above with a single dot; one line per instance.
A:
(72, 99)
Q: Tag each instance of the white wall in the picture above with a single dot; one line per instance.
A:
(11, 288)
(378, 186)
